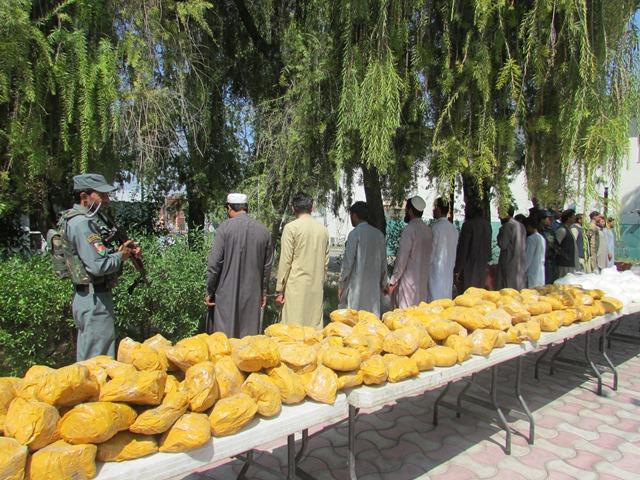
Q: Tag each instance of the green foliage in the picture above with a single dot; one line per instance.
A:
(36, 324)
(135, 217)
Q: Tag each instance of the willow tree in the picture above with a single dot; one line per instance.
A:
(58, 91)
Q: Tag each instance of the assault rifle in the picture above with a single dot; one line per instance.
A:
(112, 233)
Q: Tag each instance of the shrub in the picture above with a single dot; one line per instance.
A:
(36, 324)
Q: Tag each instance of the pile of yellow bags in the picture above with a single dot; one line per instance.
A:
(171, 398)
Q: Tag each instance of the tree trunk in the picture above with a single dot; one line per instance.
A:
(476, 196)
(373, 194)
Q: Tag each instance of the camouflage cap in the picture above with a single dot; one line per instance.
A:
(92, 181)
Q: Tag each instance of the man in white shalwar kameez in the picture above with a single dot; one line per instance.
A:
(364, 266)
(409, 283)
(443, 258)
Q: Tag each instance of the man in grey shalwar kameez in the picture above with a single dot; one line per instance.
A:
(364, 265)
(238, 271)
(512, 239)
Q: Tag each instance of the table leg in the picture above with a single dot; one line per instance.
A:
(353, 413)
(291, 457)
(437, 403)
(523, 404)
(607, 359)
(247, 463)
(494, 401)
(539, 361)
(462, 394)
(587, 356)
(552, 367)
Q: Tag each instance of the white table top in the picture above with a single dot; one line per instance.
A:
(292, 419)
(374, 396)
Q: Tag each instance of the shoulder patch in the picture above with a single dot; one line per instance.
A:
(100, 248)
(94, 237)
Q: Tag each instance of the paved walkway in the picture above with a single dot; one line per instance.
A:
(579, 435)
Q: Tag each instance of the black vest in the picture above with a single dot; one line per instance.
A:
(566, 256)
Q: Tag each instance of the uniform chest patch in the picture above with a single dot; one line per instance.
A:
(100, 248)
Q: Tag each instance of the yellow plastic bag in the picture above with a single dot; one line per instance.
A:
(230, 414)
(462, 346)
(443, 356)
(141, 388)
(442, 302)
(159, 419)
(171, 385)
(424, 339)
(32, 380)
(498, 320)
(349, 379)
(189, 351)
(467, 300)
(95, 422)
(483, 341)
(439, 330)
(228, 376)
(469, 318)
(403, 341)
(501, 339)
(491, 295)
(141, 356)
(63, 461)
(252, 354)
(611, 304)
(290, 386)
(509, 292)
(337, 329)
(13, 459)
(65, 387)
(538, 308)
(32, 423)
(370, 326)
(100, 366)
(345, 315)
(126, 446)
(265, 393)
(191, 431)
(298, 356)
(7, 394)
(374, 370)
(399, 367)
(516, 309)
(548, 322)
(285, 333)
(424, 359)
(201, 386)
(341, 359)
(360, 343)
(321, 384)
(218, 345)
(529, 331)
(161, 345)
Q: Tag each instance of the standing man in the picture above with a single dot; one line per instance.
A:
(92, 267)
(474, 251)
(593, 243)
(603, 244)
(443, 258)
(551, 247)
(364, 267)
(303, 265)
(512, 243)
(409, 283)
(576, 230)
(611, 241)
(567, 258)
(534, 262)
(238, 271)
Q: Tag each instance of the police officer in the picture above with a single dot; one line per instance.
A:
(92, 266)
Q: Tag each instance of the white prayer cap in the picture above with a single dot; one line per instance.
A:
(418, 203)
(237, 198)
